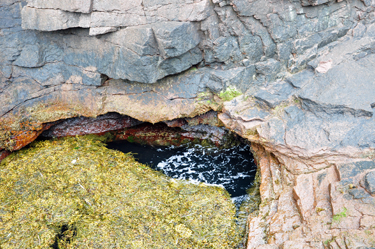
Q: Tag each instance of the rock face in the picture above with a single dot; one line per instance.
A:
(305, 68)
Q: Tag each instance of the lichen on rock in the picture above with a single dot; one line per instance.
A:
(76, 193)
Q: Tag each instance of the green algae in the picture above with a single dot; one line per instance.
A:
(76, 193)
(230, 93)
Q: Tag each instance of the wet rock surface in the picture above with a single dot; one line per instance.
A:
(305, 69)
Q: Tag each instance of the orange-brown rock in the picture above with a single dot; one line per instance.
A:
(87, 125)
(162, 135)
(4, 154)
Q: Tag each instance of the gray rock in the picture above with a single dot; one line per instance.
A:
(115, 5)
(284, 51)
(49, 75)
(10, 16)
(83, 6)
(251, 47)
(115, 19)
(129, 65)
(351, 81)
(229, 18)
(140, 40)
(367, 2)
(51, 19)
(31, 56)
(175, 38)
(254, 114)
(300, 62)
(331, 35)
(313, 2)
(269, 68)
(351, 170)
(359, 193)
(184, 11)
(178, 64)
(370, 182)
(258, 29)
(177, 10)
(226, 49)
(251, 8)
(102, 30)
(301, 79)
(301, 45)
(84, 76)
(280, 30)
(134, 53)
(239, 77)
(273, 131)
(370, 31)
(275, 94)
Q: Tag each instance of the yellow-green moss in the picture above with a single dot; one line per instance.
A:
(75, 193)
(230, 93)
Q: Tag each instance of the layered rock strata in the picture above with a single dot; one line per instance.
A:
(305, 68)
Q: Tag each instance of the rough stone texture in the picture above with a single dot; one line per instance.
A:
(370, 182)
(83, 125)
(83, 6)
(306, 69)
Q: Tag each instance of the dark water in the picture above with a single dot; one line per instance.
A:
(233, 168)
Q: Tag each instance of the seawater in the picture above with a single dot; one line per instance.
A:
(232, 168)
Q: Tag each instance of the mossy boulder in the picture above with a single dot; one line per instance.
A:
(76, 193)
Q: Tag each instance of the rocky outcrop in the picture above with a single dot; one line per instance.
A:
(305, 69)
(314, 137)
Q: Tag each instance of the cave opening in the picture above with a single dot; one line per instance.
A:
(197, 149)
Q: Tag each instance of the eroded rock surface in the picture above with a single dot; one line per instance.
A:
(306, 69)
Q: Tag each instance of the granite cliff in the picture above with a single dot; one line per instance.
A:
(305, 68)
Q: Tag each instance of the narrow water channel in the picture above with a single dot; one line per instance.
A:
(233, 168)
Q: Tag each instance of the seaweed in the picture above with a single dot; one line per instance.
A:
(76, 193)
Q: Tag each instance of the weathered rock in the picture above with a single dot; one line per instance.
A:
(51, 19)
(161, 135)
(352, 170)
(313, 2)
(102, 30)
(175, 38)
(83, 6)
(268, 68)
(31, 56)
(84, 126)
(115, 19)
(370, 182)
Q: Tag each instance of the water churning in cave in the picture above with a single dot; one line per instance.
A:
(232, 168)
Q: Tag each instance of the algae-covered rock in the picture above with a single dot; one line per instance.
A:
(76, 193)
